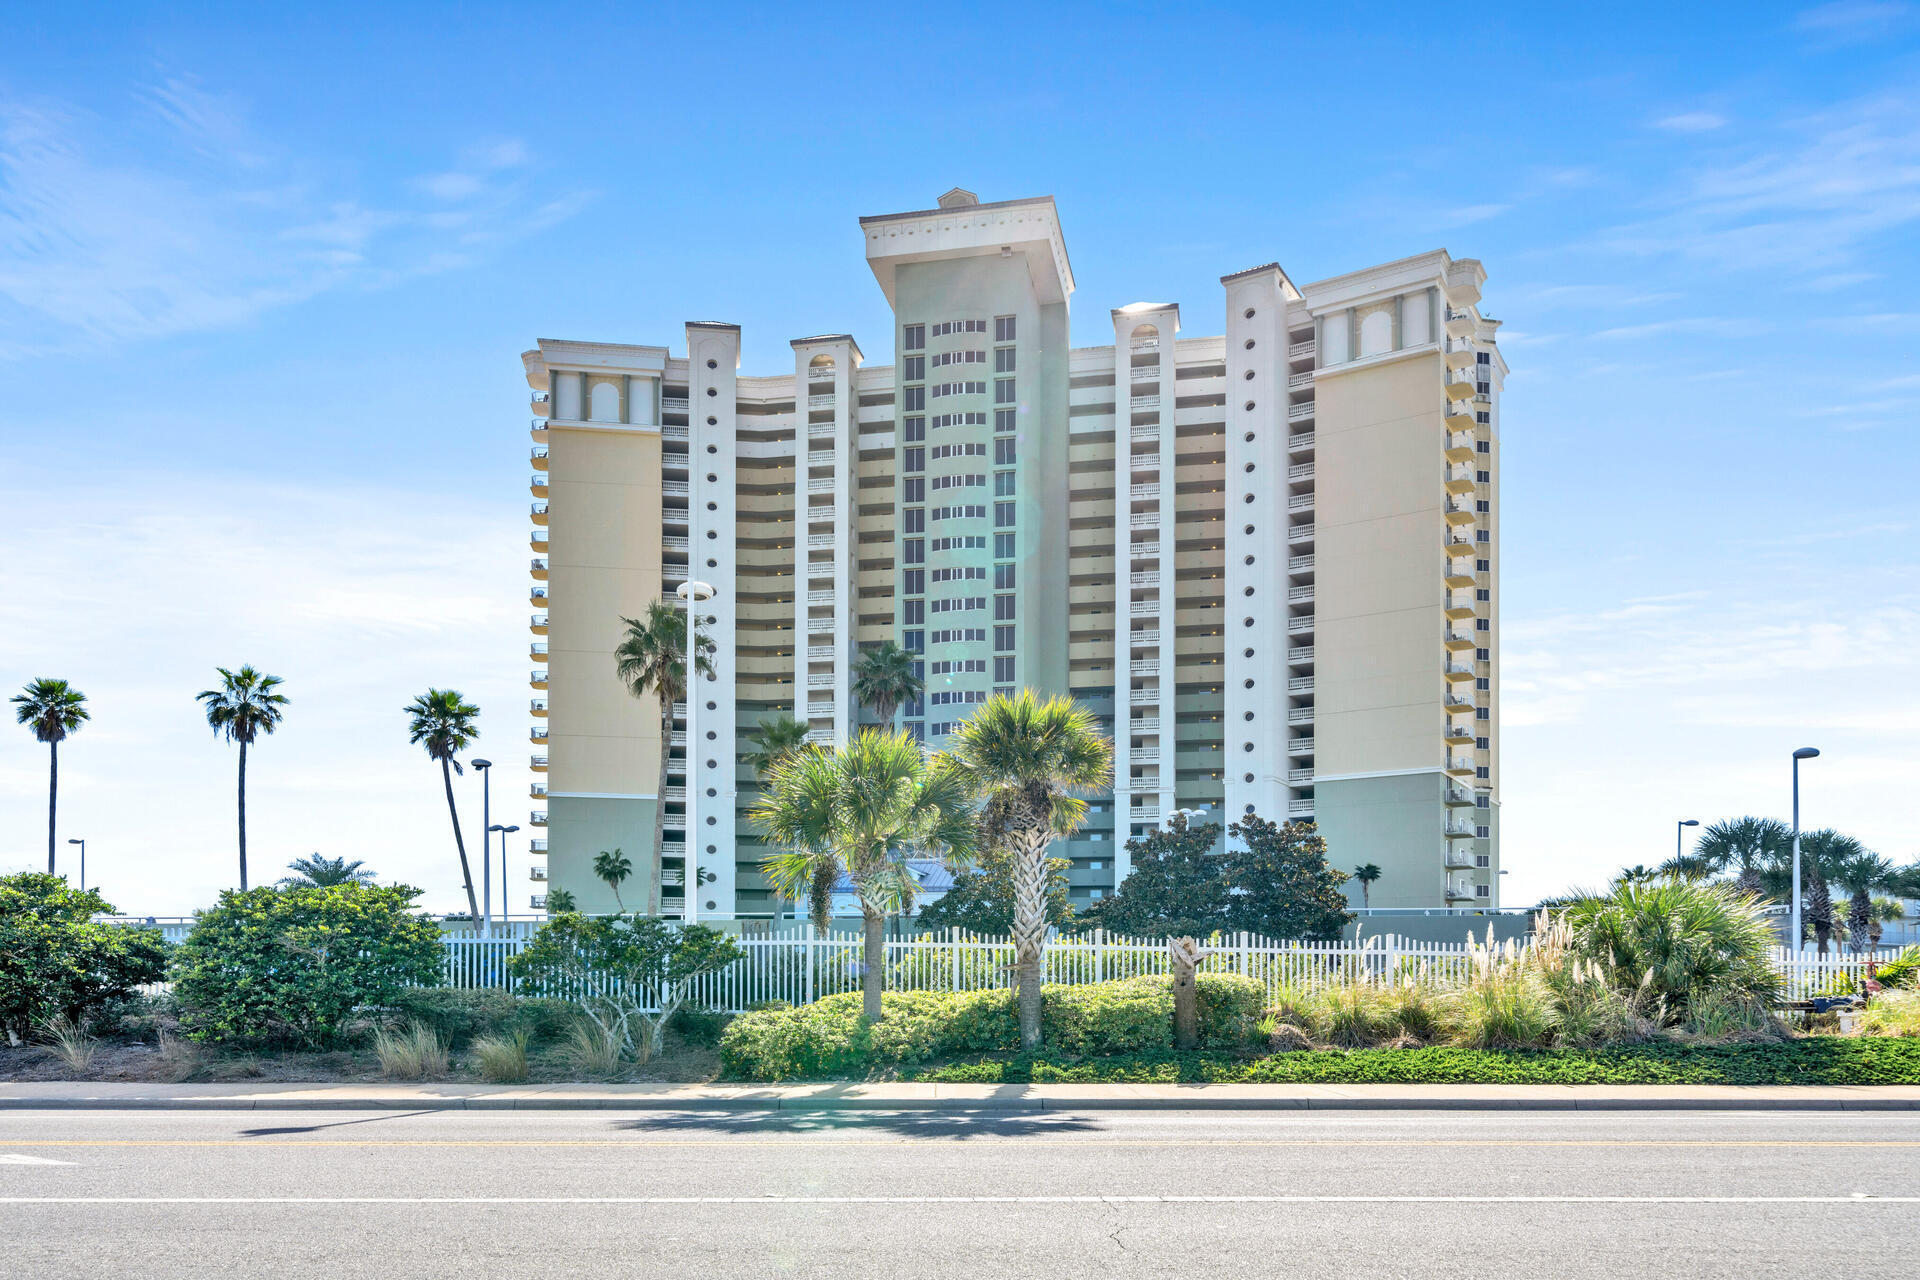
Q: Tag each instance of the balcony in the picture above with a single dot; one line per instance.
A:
(1144, 373)
(1300, 777)
(1457, 705)
(820, 541)
(537, 818)
(537, 539)
(1143, 608)
(1299, 412)
(1145, 431)
(537, 706)
(1300, 746)
(820, 402)
(1459, 766)
(1457, 639)
(539, 624)
(1300, 809)
(538, 735)
(1299, 535)
(819, 457)
(1458, 606)
(537, 596)
(819, 653)
(1459, 384)
(675, 431)
(1150, 492)
(1300, 655)
(820, 484)
(675, 488)
(537, 486)
(542, 404)
(1458, 417)
(1145, 578)
(820, 598)
(539, 513)
(538, 845)
(1144, 667)
(537, 790)
(1300, 595)
(1459, 510)
(1144, 344)
(1299, 715)
(1457, 796)
(1459, 324)
(1299, 684)
(1143, 724)
(1458, 542)
(1460, 830)
(1300, 442)
(820, 372)
(1460, 446)
(1458, 671)
(1144, 404)
(539, 431)
(537, 677)
(673, 542)
(1143, 520)
(1457, 892)
(537, 874)
(1300, 381)
(674, 795)
(1460, 479)
(1459, 573)
(673, 404)
(537, 763)
(820, 680)
(1300, 626)
(1300, 471)
(537, 650)
(1460, 355)
(538, 568)
(1300, 350)
(539, 457)
(1459, 859)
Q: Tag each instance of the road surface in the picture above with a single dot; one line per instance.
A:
(921, 1194)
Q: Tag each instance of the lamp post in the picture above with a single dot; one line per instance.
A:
(1679, 831)
(506, 912)
(83, 863)
(1804, 753)
(486, 847)
(693, 593)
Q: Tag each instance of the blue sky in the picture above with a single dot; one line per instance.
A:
(264, 279)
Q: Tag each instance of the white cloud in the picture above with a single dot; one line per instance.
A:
(207, 226)
(1692, 122)
(1848, 21)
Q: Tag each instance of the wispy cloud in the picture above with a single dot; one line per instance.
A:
(1709, 326)
(209, 226)
(1692, 122)
(1849, 21)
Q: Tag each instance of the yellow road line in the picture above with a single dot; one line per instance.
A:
(804, 1143)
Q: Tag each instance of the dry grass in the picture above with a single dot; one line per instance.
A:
(594, 1053)
(176, 1059)
(1892, 1013)
(70, 1043)
(414, 1053)
(501, 1059)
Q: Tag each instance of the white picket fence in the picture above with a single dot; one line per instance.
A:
(803, 969)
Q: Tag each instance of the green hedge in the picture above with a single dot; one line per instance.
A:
(828, 1039)
(461, 1015)
(1815, 1060)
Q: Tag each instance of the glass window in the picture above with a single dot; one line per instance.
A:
(916, 551)
(1003, 484)
(1003, 670)
(916, 368)
(916, 460)
(916, 519)
(914, 337)
(1003, 419)
(1003, 360)
(1003, 452)
(1003, 608)
(1002, 514)
(915, 641)
(916, 612)
(1003, 329)
(916, 583)
(1003, 639)
(1003, 546)
(1003, 577)
(916, 429)
(916, 399)
(1003, 391)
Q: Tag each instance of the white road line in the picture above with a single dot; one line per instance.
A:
(9, 1158)
(811, 1200)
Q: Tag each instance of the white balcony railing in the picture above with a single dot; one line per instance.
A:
(1300, 442)
(1299, 412)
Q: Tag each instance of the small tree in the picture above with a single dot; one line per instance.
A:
(316, 872)
(559, 901)
(613, 868)
(651, 660)
(884, 679)
(54, 960)
(54, 710)
(981, 899)
(1283, 885)
(1365, 874)
(293, 966)
(1178, 885)
(627, 974)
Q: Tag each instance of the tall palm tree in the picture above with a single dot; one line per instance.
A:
(247, 704)
(613, 868)
(1743, 845)
(1030, 761)
(316, 872)
(442, 722)
(777, 737)
(1861, 875)
(1824, 855)
(1639, 873)
(54, 710)
(652, 661)
(1366, 874)
(864, 808)
(883, 679)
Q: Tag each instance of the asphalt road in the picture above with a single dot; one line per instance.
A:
(869, 1194)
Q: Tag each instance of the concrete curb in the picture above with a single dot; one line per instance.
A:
(1177, 1098)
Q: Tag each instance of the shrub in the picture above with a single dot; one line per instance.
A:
(1892, 1013)
(56, 962)
(501, 1059)
(1503, 1007)
(1675, 940)
(462, 1015)
(595, 1050)
(70, 1043)
(290, 966)
(412, 1053)
(1231, 1007)
(697, 1024)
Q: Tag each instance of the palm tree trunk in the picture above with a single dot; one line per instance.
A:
(1030, 927)
(1749, 880)
(873, 962)
(243, 817)
(660, 813)
(53, 797)
(466, 872)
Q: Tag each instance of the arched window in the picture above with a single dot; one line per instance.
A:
(605, 403)
(1376, 333)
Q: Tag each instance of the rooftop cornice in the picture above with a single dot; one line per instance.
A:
(957, 209)
(713, 324)
(1031, 226)
(565, 352)
(1387, 278)
(829, 340)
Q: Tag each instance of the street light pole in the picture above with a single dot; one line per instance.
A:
(486, 847)
(1679, 831)
(1804, 753)
(693, 593)
(83, 863)
(506, 911)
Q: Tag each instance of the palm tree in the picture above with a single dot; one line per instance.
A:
(1823, 856)
(316, 872)
(53, 709)
(883, 679)
(863, 808)
(1366, 875)
(652, 661)
(246, 705)
(1861, 875)
(1748, 844)
(613, 868)
(443, 722)
(1028, 760)
(778, 737)
(1639, 873)
(559, 901)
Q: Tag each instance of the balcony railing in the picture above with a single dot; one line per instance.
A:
(1149, 491)
(1144, 404)
(539, 565)
(820, 372)
(538, 706)
(1300, 471)
(1299, 533)
(1299, 715)
(1145, 431)
(675, 488)
(539, 508)
(673, 404)
(1300, 684)
(536, 762)
(819, 653)
(1301, 625)
(1299, 412)
(537, 845)
(1299, 349)
(1300, 595)
(538, 817)
(538, 648)
(1300, 442)
(1300, 654)
(1144, 373)
(1300, 746)
(820, 402)
(1300, 381)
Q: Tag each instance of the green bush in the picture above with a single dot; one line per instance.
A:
(1671, 940)
(55, 962)
(1231, 1007)
(293, 966)
(696, 1024)
(462, 1015)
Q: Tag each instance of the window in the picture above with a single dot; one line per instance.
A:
(1003, 484)
(1003, 419)
(1480, 891)
(1003, 670)
(916, 429)
(1003, 608)
(916, 519)
(1003, 328)
(914, 337)
(916, 612)
(1480, 744)
(1482, 624)
(916, 399)
(946, 327)
(958, 451)
(915, 641)
(915, 368)
(1482, 566)
(962, 574)
(1481, 772)
(915, 582)
(1003, 452)
(915, 550)
(969, 480)
(1003, 546)
(1481, 535)
(1002, 514)
(1482, 801)
(1003, 639)
(1483, 357)
(962, 667)
(1003, 577)
(1481, 593)
(1482, 833)
(1483, 477)
(1483, 655)
(940, 389)
(960, 420)
(1003, 391)
(978, 512)
(1482, 713)
(959, 357)
(958, 635)
(969, 542)
(913, 489)
(1482, 505)
(1481, 683)
(1482, 859)
(1482, 388)
(1483, 417)
(1003, 360)
(955, 604)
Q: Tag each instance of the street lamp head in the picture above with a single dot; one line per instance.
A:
(496, 827)
(76, 842)
(1806, 753)
(510, 830)
(694, 591)
(481, 764)
(1690, 822)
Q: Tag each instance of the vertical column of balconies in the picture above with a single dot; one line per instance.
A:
(537, 647)
(713, 362)
(1144, 569)
(1465, 599)
(1301, 523)
(826, 454)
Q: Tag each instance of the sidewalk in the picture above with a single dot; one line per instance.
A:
(956, 1097)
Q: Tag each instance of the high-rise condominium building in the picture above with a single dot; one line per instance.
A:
(1267, 559)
